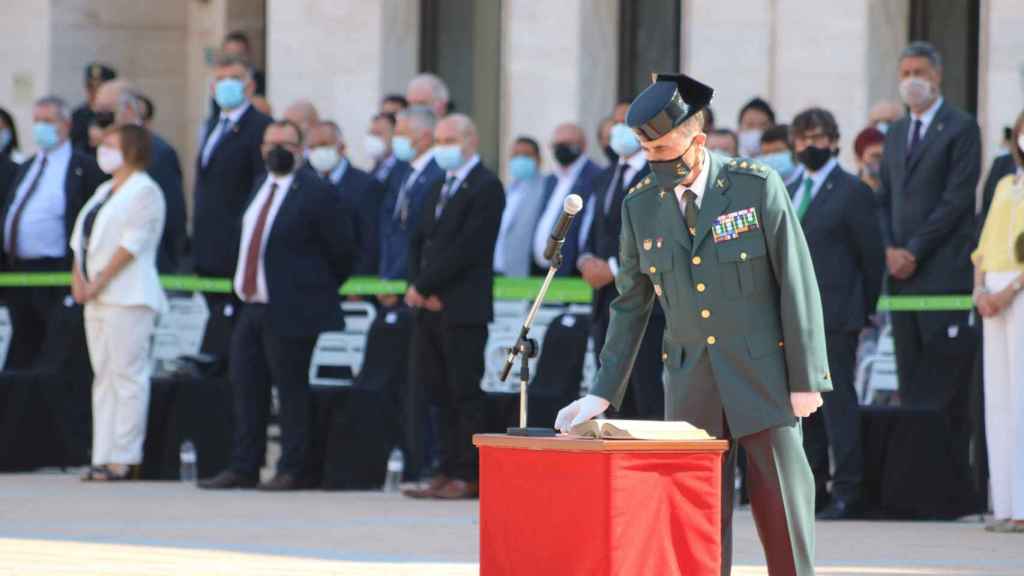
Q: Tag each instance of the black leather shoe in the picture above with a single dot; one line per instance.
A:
(228, 480)
(281, 483)
(841, 509)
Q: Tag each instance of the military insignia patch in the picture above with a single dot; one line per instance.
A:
(730, 226)
(647, 243)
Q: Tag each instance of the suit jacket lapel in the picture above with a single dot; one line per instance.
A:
(823, 196)
(288, 205)
(937, 126)
(232, 130)
(714, 202)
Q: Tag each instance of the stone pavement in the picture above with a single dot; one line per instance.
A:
(53, 524)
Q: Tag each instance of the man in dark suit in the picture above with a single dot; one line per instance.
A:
(83, 116)
(411, 180)
(451, 277)
(837, 212)
(228, 166)
(361, 191)
(39, 211)
(573, 175)
(930, 170)
(296, 251)
(600, 228)
(117, 102)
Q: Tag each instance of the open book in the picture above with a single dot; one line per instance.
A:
(638, 430)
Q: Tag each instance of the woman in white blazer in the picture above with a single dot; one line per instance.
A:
(115, 242)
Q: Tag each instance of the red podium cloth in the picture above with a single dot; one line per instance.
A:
(567, 507)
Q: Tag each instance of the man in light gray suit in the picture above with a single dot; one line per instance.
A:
(929, 174)
(523, 199)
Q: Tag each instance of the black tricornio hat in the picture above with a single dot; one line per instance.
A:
(97, 72)
(665, 104)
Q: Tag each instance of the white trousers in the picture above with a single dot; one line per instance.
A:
(119, 342)
(1004, 402)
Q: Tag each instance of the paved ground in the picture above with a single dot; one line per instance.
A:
(53, 524)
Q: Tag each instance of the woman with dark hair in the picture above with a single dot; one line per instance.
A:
(8, 148)
(998, 278)
(115, 242)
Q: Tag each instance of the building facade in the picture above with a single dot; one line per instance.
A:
(520, 66)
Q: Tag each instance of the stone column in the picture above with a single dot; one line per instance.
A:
(1000, 74)
(26, 77)
(559, 64)
(343, 55)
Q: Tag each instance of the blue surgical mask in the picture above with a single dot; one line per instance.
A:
(882, 127)
(522, 167)
(448, 156)
(782, 162)
(5, 137)
(624, 141)
(45, 135)
(402, 147)
(229, 93)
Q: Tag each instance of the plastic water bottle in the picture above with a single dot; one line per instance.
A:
(188, 462)
(396, 465)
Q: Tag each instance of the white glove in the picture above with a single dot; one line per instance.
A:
(580, 411)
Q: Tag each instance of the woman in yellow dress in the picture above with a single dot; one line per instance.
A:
(999, 272)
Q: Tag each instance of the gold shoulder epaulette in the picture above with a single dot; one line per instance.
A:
(640, 186)
(746, 166)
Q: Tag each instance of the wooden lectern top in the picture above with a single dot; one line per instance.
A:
(565, 443)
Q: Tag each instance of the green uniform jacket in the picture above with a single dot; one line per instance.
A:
(743, 313)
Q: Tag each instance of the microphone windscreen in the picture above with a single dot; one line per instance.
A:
(573, 204)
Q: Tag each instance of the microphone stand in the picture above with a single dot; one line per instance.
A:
(526, 348)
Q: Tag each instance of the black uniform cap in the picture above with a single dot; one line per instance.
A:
(665, 104)
(97, 72)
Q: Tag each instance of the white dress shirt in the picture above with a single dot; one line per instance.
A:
(41, 231)
(131, 218)
(460, 177)
(335, 175)
(817, 180)
(926, 118)
(233, 116)
(699, 185)
(284, 183)
(566, 179)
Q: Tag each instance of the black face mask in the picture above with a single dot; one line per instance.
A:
(280, 161)
(613, 158)
(814, 157)
(104, 118)
(566, 154)
(670, 173)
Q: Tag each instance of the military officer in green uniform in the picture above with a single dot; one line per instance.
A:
(717, 243)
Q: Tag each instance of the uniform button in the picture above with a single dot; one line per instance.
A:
(782, 344)
(664, 356)
(711, 340)
(705, 313)
(653, 269)
(743, 256)
(701, 287)
(696, 260)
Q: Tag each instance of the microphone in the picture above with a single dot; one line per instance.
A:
(572, 205)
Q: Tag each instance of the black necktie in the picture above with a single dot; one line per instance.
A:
(446, 194)
(614, 188)
(915, 138)
(691, 211)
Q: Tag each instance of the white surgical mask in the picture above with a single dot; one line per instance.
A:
(109, 159)
(915, 91)
(323, 159)
(1020, 142)
(749, 142)
(374, 146)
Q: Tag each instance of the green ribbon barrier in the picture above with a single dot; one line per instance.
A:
(572, 290)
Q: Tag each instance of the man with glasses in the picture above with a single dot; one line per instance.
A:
(838, 216)
(295, 252)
